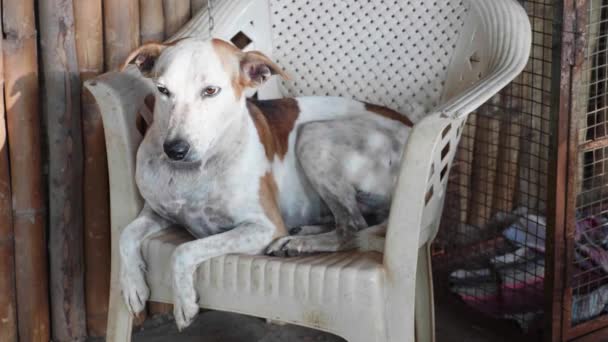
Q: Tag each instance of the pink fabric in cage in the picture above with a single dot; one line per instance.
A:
(511, 297)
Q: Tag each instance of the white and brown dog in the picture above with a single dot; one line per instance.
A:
(240, 174)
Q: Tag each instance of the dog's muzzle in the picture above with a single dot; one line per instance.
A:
(176, 149)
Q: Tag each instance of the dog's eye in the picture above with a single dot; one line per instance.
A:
(211, 91)
(163, 90)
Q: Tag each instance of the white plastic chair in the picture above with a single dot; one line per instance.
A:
(448, 57)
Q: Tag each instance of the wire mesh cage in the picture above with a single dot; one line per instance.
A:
(490, 251)
(589, 261)
(525, 230)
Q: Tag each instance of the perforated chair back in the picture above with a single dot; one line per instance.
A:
(394, 53)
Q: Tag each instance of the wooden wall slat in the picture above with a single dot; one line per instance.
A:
(8, 297)
(484, 170)
(121, 30)
(96, 202)
(88, 16)
(197, 5)
(507, 168)
(24, 134)
(152, 21)
(96, 218)
(61, 105)
(464, 159)
(177, 13)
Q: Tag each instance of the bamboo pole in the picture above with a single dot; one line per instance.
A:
(88, 18)
(8, 303)
(8, 297)
(484, 170)
(96, 202)
(508, 158)
(197, 5)
(121, 28)
(465, 166)
(23, 126)
(177, 13)
(96, 218)
(152, 21)
(61, 89)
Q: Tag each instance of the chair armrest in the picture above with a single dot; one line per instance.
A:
(415, 212)
(418, 197)
(499, 36)
(503, 45)
(432, 145)
(120, 95)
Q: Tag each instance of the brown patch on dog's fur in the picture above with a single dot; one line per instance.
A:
(234, 60)
(274, 120)
(269, 201)
(229, 56)
(146, 55)
(252, 62)
(261, 125)
(388, 113)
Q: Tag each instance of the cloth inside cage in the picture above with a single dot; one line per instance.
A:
(510, 284)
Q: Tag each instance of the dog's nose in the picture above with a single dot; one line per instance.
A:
(176, 149)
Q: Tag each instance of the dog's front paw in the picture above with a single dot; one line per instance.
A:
(135, 291)
(185, 309)
(185, 303)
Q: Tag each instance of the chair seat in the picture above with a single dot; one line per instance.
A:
(316, 291)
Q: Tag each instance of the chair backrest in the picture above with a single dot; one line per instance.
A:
(402, 54)
(393, 53)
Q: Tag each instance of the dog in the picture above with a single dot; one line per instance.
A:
(241, 175)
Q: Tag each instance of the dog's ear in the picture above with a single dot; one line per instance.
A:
(256, 69)
(145, 57)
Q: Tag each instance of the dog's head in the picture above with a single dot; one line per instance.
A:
(200, 90)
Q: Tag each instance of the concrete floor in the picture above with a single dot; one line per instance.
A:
(216, 326)
(453, 324)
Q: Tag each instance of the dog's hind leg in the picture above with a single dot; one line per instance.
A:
(312, 229)
(372, 238)
(369, 239)
(135, 291)
(352, 165)
(295, 245)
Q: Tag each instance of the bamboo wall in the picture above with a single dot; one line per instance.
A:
(54, 200)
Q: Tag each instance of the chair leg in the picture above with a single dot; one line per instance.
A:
(120, 320)
(425, 314)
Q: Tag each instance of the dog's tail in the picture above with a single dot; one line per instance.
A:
(372, 238)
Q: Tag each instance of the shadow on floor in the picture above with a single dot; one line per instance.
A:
(216, 326)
